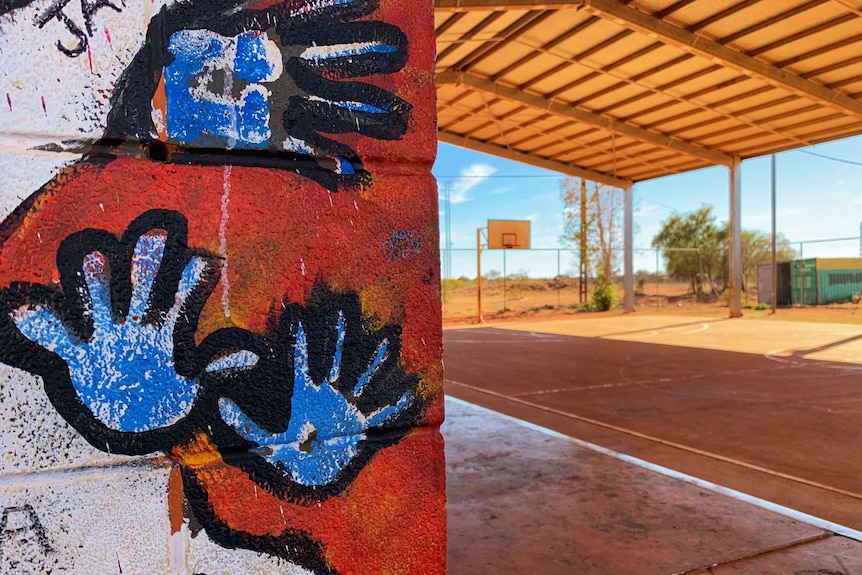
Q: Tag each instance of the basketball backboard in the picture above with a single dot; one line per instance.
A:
(508, 234)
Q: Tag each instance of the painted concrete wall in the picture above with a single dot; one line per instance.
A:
(219, 292)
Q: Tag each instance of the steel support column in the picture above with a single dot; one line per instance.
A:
(628, 251)
(774, 270)
(735, 239)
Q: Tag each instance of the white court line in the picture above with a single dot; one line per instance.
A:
(650, 333)
(841, 367)
(591, 387)
(544, 335)
(771, 355)
(812, 520)
(703, 327)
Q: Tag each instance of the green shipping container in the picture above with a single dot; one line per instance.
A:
(824, 281)
(840, 285)
(803, 282)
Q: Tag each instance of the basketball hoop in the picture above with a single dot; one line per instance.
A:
(510, 241)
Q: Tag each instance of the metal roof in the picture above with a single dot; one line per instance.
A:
(620, 91)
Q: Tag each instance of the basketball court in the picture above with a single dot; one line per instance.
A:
(767, 409)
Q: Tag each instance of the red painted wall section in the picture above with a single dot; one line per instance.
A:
(246, 299)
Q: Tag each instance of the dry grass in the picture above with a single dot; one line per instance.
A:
(530, 300)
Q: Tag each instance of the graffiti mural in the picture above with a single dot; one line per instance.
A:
(88, 11)
(239, 272)
(280, 78)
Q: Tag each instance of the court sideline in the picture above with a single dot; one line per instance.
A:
(769, 409)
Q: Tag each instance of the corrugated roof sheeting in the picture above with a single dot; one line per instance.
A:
(638, 89)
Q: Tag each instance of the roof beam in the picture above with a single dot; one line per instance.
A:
(692, 43)
(553, 165)
(501, 5)
(566, 111)
(849, 6)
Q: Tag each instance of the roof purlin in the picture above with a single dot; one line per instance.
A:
(689, 42)
(724, 117)
(555, 165)
(564, 110)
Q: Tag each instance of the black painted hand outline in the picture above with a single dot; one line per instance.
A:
(337, 396)
(326, 47)
(116, 347)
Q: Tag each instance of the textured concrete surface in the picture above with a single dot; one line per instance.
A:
(780, 340)
(522, 501)
(220, 335)
(782, 428)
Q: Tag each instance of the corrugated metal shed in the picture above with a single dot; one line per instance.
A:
(838, 279)
(627, 90)
(782, 285)
(822, 281)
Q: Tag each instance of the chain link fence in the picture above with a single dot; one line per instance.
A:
(524, 280)
(516, 281)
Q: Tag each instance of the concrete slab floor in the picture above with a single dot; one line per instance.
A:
(524, 501)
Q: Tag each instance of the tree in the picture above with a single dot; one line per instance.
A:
(603, 230)
(693, 247)
(696, 250)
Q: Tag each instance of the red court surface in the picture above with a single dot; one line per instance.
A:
(523, 501)
(765, 418)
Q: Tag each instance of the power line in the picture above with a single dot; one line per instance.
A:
(500, 176)
(447, 256)
(657, 204)
(832, 158)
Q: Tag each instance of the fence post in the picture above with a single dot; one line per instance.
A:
(479, 317)
(558, 277)
(504, 281)
(628, 250)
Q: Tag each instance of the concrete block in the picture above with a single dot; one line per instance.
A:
(49, 92)
(98, 522)
(33, 436)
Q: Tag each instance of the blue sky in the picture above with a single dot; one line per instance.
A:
(817, 199)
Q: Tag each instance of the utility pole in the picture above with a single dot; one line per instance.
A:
(447, 227)
(479, 317)
(774, 268)
(582, 286)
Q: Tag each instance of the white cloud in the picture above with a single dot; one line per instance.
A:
(532, 217)
(469, 178)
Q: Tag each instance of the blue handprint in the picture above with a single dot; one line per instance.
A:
(297, 82)
(124, 333)
(125, 373)
(325, 429)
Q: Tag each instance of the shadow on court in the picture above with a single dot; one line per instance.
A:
(781, 428)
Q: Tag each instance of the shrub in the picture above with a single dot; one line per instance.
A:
(762, 306)
(604, 298)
